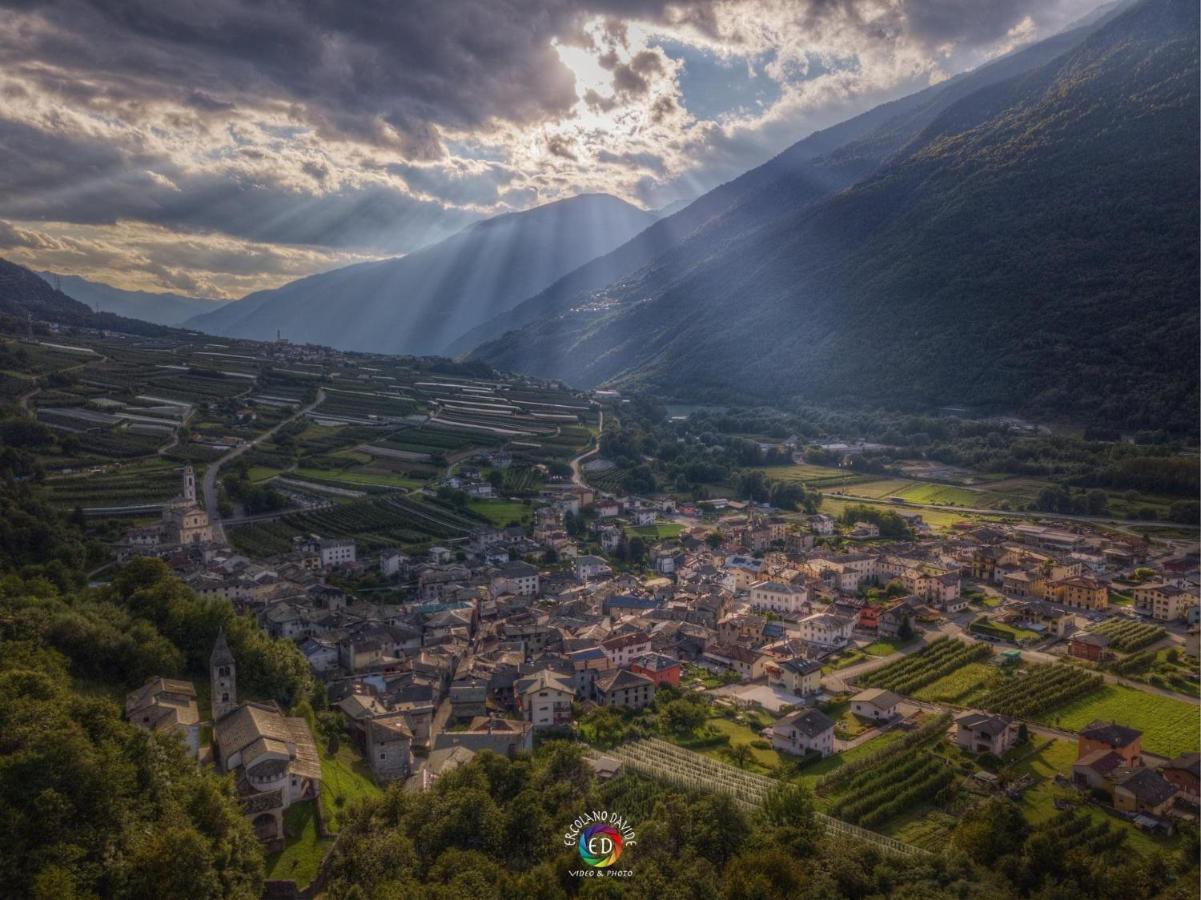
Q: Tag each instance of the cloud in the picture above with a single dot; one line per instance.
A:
(300, 134)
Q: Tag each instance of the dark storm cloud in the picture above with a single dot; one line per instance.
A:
(384, 72)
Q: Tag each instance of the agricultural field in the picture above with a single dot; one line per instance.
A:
(501, 512)
(1170, 727)
(1127, 636)
(817, 477)
(356, 478)
(1169, 669)
(135, 484)
(963, 687)
(1040, 691)
(933, 662)
(891, 782)
(374, 524)
(939, 519)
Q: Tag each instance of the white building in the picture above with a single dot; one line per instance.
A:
(780, 598)
(336, 552)
(826, 629)
(809, 729)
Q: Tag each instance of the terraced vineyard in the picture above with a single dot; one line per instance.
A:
(134, 485)
(1127, 636)
(878, 788)
(372, 523)
(1040, 690)
(937, 660)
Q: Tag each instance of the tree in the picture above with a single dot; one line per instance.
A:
(684, 716)
(991, 830)
(740, 755)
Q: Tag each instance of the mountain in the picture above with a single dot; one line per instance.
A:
(162, 309)
(25, 294)
(420, 303)
(1032, 247)
(823, 163)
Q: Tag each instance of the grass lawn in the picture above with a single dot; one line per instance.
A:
(741, 734)
(814, 773)
(959, 687)
(657, 532)
(345, 779)
(262, 473)
(1170, 727)
(1038, 802)
(501, 512)
(304, 848)
(886, 648)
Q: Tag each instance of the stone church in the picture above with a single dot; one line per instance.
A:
(272, 756)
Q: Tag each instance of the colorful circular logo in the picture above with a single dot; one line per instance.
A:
(600, 845)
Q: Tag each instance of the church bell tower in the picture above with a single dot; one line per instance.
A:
(224, 676)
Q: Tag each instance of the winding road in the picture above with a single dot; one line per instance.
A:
(210, 474)
(577, 477)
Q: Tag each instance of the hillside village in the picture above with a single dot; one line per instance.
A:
(772, 640)
(458, 568)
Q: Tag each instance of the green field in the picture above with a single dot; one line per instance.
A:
(961, 687)
(345, 780)
(367, 479)
(834, 505)
(1170, 727)
(814, 773)
(501, 512)
(738, 735)
(658, 532)
(305, 848)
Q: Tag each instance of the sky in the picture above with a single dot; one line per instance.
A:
(216, 148)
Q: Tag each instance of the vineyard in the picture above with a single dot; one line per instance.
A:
(693, 771)
(938, 659)
(1127, 636)
(373, 524)
(1041, 689)
(141, 483)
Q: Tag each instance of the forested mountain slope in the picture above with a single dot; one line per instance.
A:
(1033, 248)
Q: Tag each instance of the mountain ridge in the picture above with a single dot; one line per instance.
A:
(963, 229)
(421, 302)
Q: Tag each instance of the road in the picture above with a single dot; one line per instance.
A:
(577, 477)
(210, 474)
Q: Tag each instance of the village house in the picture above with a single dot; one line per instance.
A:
(1090, 646)
(545, 699)
(787, 599)
(623, 649)
(624, 689)
(749, 664)
(875, 704)
(1141, 790)
(658, 668)
(1107, 736)
(804, 731)
(1162, 601)
(979, 732)
(589, 567)
(505, 737)
(826, 629)
(797, 676)
(166, 706)
(1184, 774)
(1079, 592)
